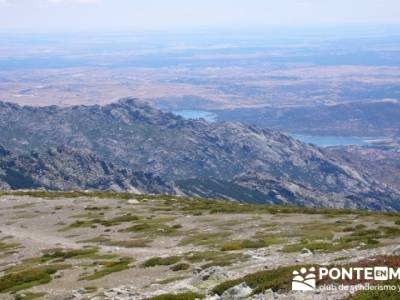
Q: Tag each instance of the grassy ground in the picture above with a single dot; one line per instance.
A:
(52, 243)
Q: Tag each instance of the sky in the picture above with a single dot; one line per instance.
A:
(83, 15)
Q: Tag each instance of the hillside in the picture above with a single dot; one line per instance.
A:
(133, 135)
(376, 162)
(68, 169)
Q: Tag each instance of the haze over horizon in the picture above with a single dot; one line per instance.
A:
(84, 15)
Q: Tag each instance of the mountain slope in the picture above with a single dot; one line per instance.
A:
(67, 169)
(134, 135)
(376, 162)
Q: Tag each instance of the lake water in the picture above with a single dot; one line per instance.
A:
(325, 141)
(321, 141)
(196, 114)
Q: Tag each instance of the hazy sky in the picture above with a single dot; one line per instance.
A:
(54, 15)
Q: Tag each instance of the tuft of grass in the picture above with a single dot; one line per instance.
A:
(61, 254)
(153, 227)
(99, 221)
(389, 231)
(21, 206)
(278, 279)
(136, 243)
(98, 239)
(133, 243)
(357, 236)
(110, 267)
(97, 208)
(313, 246)
(204, 239)
(161, 261)
(117, 220)
(90, 289)
(214, 258)
(180, 267)
(341, 258)
(25, 279)
(78, 224)
(182, 296)
(8, 246)
(249, 244)
(169, 280)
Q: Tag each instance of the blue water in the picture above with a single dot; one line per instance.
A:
(321, 141)
(196, 114)
(325, 141)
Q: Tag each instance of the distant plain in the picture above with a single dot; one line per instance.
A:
(199, 71)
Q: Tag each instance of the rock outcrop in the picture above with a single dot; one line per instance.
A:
(68, 169)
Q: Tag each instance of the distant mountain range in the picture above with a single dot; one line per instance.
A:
(373, 118)
(217, 160)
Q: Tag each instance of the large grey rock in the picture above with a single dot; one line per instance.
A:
(238, 292)
(209, 277)
(306, 252)
(396, 252)
(211, 273)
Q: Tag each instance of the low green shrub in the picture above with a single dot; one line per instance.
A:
(183, 296)
(278, 279)
(180, 267)
(60, 254)
(377, 294)
(161, 261)
(110, 267)
(248, 244)
(27, 278)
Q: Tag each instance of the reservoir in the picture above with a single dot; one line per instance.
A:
(321, 141)
(196, 114)
(325, 141)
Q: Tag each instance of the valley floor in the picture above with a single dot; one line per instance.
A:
(122, 246)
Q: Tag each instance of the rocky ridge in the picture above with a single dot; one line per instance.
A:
(224, 160)
(68, 169)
